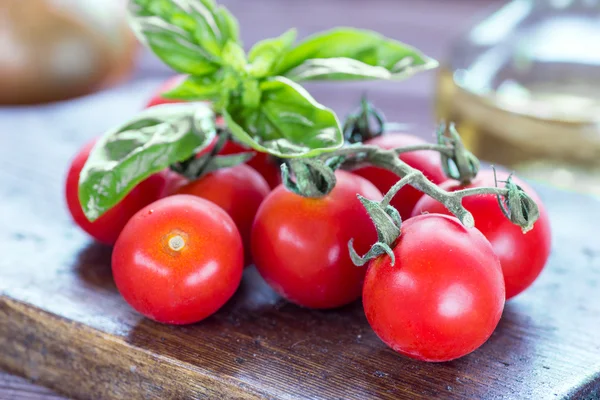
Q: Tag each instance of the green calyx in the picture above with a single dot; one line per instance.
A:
(365, 123)
(461, 164)
(387, 223)
(517, 205)
(311, 178)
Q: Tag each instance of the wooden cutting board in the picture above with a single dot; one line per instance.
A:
(63, 324)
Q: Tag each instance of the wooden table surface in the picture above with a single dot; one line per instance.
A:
(547, 345)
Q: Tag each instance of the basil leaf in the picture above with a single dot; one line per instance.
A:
(363, 46)
(188, 35)
(288, 123)
(266, 53)
(228, 25)
(234, 56)
(338, 68)
(125, 156)
(174, 47)
(208, 87)
(251, 94)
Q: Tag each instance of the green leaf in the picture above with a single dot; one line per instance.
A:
(174, 47)
(265, 54)
(188, 35)
(367, 53)
(251, 94)
(234, 56)
(195, 88)
(228, 25)
(289, 123)
(336, 69)
(125, 156)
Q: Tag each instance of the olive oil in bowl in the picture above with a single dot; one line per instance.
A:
(523, 87)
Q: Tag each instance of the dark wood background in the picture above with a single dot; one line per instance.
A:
(547, 345)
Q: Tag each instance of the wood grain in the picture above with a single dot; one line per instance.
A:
(63, 324)
(14, 387)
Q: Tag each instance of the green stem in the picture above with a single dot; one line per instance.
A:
(485, 190)
(397, 186)
(388, 159)
(440, 148)
(520, 208)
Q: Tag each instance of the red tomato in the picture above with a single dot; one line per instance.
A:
(173, 181)
(178, 260)
(169, 84)
(263, 163)
(428, 162)
(300, 245)
(106, 229)
(444, 296)
(522, 256)
(238, 190)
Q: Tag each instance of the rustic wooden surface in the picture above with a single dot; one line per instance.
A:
(63, 324)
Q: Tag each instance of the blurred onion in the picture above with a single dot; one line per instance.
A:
(57, 49)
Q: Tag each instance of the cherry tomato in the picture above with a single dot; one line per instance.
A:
(522, 256)
(263, 163)
(425, 161)
(238, 190)
(178, 260)
(173, 182)
(169, 84)
(300, 245)
(443, 297)
(106, 229)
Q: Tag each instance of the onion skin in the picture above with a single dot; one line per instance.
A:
(51, 52)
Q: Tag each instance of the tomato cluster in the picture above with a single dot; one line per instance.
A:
(180, 247)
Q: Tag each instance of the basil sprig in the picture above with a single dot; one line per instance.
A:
(257, 93)
(244, 86)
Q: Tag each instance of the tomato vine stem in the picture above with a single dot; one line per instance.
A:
(513, 201)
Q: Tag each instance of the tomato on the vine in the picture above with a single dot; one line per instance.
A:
(106, 229)
(178, 260)
(443, 297)
(300, 245)
(238, 190)
(426, 161)
(522, 256)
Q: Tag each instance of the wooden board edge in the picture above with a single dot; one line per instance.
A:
(81, 362)
(589, 389)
